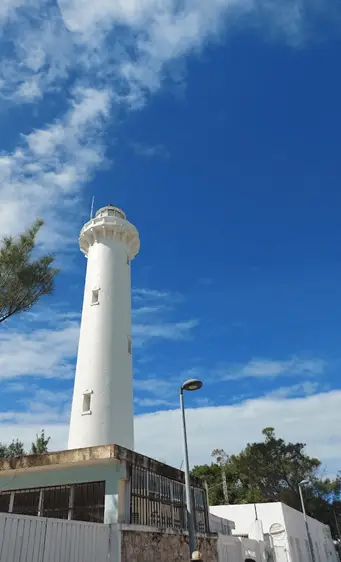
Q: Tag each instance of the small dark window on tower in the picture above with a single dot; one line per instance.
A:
(86, 407)
(95, 296)
(129, 345)
(128, 260)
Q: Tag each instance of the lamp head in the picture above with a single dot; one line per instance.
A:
(192, 384)
(304, 482)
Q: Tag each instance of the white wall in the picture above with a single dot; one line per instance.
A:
(293, 547)
(104, 364)
(320, 534)
(244, 515)
(220, 525)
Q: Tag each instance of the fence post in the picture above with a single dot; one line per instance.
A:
(43, 550)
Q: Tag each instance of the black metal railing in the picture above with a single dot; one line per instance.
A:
(159, 501)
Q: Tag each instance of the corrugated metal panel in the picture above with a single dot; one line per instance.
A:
(21, 538)
(251, 549)
(234, 549)
(71, 541)
(229, 549)
(115, 544)
(281, 554)
(34, 539)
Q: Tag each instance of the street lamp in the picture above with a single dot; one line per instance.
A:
(312, 555)
(190, 385)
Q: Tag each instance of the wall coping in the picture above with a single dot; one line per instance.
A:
(167, 530)
(90, 455)
(59, 459)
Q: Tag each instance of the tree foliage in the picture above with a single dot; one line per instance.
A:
(23, 280)
(270, 471)
(17, 449)
(41, 444)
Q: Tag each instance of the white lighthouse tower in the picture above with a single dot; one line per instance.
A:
(102, 405)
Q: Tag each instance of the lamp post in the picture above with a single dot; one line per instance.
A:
(337, 525)
(312, 555)
(190, 385)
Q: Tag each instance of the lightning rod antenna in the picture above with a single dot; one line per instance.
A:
(92, 207)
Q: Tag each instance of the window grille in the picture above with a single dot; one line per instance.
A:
(159, 501)
(79, 502)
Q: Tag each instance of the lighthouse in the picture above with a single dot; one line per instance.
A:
(102, 405)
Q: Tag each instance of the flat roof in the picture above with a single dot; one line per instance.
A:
(58, 458)
(90, 455)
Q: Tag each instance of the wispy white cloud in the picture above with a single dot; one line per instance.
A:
(148, 311)
(202, 402)
(8, 8)
(143, 293)
(38, 409)
(149, 151)
(50, 166)
(166, 387)
(268, 368)
(207, 428)
(164, 31)
(41, 54)
(132, 44)
(156, 387)
(153, 402)
(305, 388)
(166, 331)
(48, 340)
(151, 321)
(126, 49)
(47, 353)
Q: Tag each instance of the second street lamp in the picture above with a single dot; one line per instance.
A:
(190, 385)
(311, 548)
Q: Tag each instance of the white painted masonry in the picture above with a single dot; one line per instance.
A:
(292, 544)
(102, 406)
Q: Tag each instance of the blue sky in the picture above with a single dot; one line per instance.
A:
(216, 128)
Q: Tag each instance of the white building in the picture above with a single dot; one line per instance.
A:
(107, 503)
(220, 525)
(285, 527)
(102, 406)
(104, 484)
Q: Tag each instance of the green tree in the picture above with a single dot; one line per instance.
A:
(271, 470)
(23, 279)
(211, 473)
(16, 448)
(40, 445)
(216, 475)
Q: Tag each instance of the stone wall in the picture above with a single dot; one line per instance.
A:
(149, 545)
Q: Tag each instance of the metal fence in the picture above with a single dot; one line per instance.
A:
(159, 501)
(33, 539)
